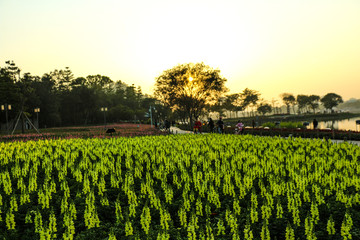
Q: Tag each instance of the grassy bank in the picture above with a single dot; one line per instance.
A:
(294, 118)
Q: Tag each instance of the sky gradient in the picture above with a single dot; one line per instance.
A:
(299, 47)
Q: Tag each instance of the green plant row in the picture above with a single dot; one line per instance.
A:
(284, 125)
(180, 187)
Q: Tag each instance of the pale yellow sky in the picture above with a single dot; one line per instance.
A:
(300, 47)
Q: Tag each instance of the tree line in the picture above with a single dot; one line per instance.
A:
(184, 92)
(64, 100)
(193, 90)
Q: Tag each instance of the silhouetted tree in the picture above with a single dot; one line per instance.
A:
(49, 103)
(9, 90)
(190, 87)
(62, 78)
(288, 100)
(249, 98)
(313, 102)
(264, 108)
(230, 101)
(302, 101)
(331, 100)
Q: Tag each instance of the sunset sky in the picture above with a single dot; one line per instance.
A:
(277, 46)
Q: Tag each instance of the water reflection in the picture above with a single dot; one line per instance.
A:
(346, 124)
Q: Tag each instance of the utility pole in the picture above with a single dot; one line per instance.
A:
(5, 108)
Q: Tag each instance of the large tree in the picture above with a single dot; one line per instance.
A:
(302, 101)
(313, 102)
(331, 100)
(264, 108)
(249, 98)
(288, 99)
(190, 87)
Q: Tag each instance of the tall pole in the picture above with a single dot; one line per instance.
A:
(37, 110)
(104, 119)
(5, 108)
(151, 122)
(7, 121)
(104, 109)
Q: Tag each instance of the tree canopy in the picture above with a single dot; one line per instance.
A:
(264, 108)
(331, 100)
(190, 87)
(288, 99)
(65, 100)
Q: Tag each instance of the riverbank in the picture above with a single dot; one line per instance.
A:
(176, 130)
(292, 118)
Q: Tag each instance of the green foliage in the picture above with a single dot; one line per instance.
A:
(264, 108)
(204, 186)
(188, 88)
(291, 125)
(269, 125)
(288, 99)
(331, 100)
(284, 125)
(65, 100)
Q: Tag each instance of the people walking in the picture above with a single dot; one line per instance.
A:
(239, 127)
(315, 123)
(197, 126)
(211, 125)
(220, 125)
(167, 125)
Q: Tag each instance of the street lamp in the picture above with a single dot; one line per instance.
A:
(151, 118)
(104, 109)
(5, 108)
(37, 110)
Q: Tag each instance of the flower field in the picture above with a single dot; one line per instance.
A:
(180, 187)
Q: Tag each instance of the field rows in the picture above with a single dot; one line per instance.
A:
(180, 187)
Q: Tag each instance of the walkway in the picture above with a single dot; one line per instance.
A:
(176, 130)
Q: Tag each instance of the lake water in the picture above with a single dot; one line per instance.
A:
(346, 124)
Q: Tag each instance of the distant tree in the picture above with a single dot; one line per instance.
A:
(331, 100)
(352, 105)
(80, 81)
(313, 102)
(190, 87)
(274, 105)
(219, 106)
(288, 100)
(10, 93)
(49, 103)
(98, 81)
(302, 101)
(230, 101)
(249, 98)
(62, 78)
(264, 108)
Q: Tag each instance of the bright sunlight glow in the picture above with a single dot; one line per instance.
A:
(269, 46)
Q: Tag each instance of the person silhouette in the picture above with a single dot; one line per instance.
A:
(315, 123)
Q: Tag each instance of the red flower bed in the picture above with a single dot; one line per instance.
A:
(305, 133)
(121, 130)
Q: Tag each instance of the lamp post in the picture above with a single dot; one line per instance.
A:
(37, 110)
(151, 118)
(5, 108)
(104, 110)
